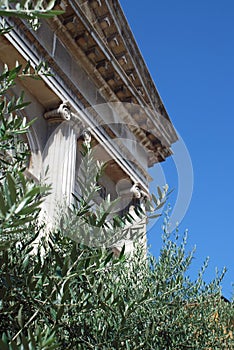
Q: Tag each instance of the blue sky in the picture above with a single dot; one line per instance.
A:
(188, 47)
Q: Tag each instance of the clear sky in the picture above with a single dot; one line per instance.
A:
(188, 47)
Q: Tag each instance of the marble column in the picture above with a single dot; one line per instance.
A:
(135, 231)
(59, 161)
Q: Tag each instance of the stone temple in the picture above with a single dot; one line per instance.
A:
(99, 91)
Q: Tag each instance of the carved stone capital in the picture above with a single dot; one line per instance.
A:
(126, 189)
(135, 190)
(62, 113)
(87, 137)
(138, 192)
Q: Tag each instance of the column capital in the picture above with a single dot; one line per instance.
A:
(138, 192)
(133, 190)
(60, 114)
(87, 137)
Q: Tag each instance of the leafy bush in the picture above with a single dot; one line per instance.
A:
(75, 297)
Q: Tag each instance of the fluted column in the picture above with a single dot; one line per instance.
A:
(136, 231)
(59, 161)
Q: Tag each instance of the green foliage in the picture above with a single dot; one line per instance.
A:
(76, 297)
(30, 10)
(20, 198)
